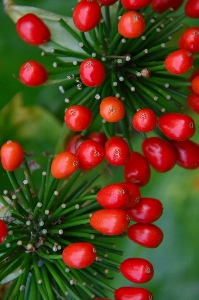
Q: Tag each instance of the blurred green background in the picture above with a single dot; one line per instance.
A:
(27, 118)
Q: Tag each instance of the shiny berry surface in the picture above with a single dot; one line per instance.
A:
(92, 72)
(3, 231)
(144, 120)
(135, 194)
(195, 85)
(135, 4)
(179, 62)
(112, 109)
(132, 293)
(78, 117)
(192, 8)
(12, 155)
(193, 102)
(187, 154)
(33, 73)
(117, 151)
(161, 6)
(98, 137)
(189, 40)
(131, 24)
(64, 164)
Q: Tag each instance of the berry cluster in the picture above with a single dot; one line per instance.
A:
(130, 77)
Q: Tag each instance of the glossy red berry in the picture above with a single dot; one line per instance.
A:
(132, 293)
(131, 24)
(138, 270)
(64, 164)
(113, 196)
(147, 235)
(134, 192)
(137, 169)
(187, 154)
(193, 75)
(192, 8)
(144, 120)
(179, 62)
(78, 117)
(189, 40)
(12, 155)
(107, 2)
(98, 137)
(90, 154)
(3, 231)
(135, 4)
(110, 221)
(92, 72)
(193, 102)
(74, 143)
(112, 109)
(162, 5)
(195, 85)
(32, 30)
(148, 210)
(160, 153)
(33, 73)
(117, 151)
(79, 255)
(86, 15)
(177, 126)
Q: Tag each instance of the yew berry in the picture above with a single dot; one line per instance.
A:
(148, 210)
(189, 40)
(179, 62)
(147, 235)
(110, 221)
(160, 153)
(107, 2)
(138, 270)
(134, 194)
(162, 5)
(86, 15)
(137, 169)
(78, 117)
(195, 85)
(3, 231)
(131, 24)
(32, 30)
(74, 143)
(90, 154)
(112, 109)
(33, 73)
(144, 120)
(117, 151)
(98, 137)
(64, 164)
(135, 4)
(132, 293)
(192, 8)
(92, 72)
(193, 102)
(79, 255)
(113, 196)
(187, 154)
(193, 75)
(177, 126)
(12, 155)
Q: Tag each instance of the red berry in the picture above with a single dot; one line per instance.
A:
(98, 137)
(86, 15)
(92, 72)
(12, 155)
(132, 293)
(195, 85)
(131, 24)
(90, 154)
(137, 169)
(110, 221)
(33, 73)
(117, 151)
(189, 40)
(148, 210)
(144, 120)
(78, 117)
(112, 109)
(3, 231)
(107, 2)
(147, 235)
(64, 164)
(74, 143)
(135, 4)
(134, 194)
(193, 75)
(79, 255)
(113, 196)
(177, 126)
(192, 8)
(193, 102)
(138, 270)
(160, 153)
(187, 154)
(179, 62)
(162, 5)
(33, 30)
